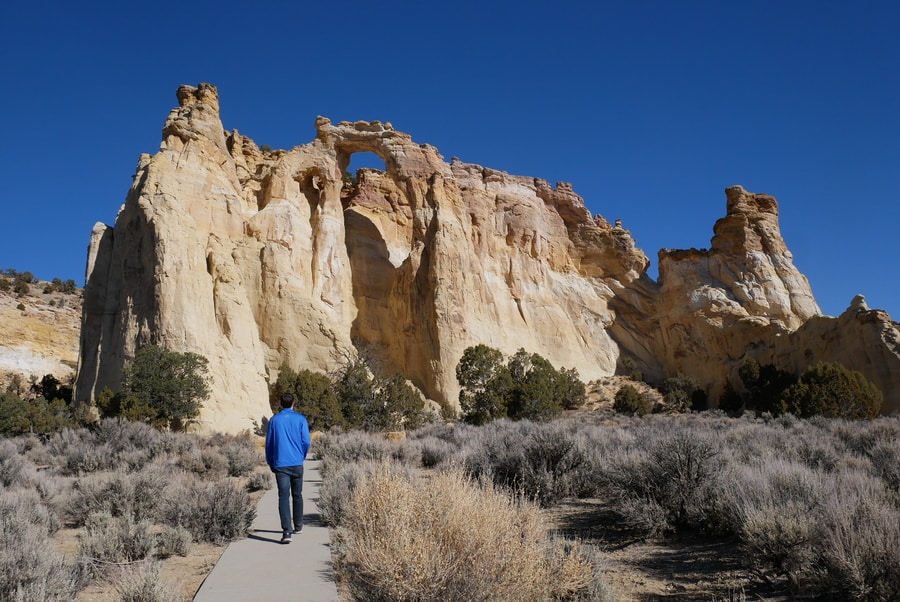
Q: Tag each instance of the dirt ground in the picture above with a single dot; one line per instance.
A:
(185, 574)
(682, 568)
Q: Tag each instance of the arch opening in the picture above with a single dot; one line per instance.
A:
(356, 161)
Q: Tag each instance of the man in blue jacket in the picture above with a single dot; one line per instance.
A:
(287, 442)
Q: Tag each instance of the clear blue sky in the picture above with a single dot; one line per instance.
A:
(650, 109)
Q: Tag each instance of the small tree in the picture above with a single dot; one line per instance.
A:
(397, 405)
(355, 391)
(130, 407)
(173, 384)
(628, 367)
(682, 394)
(526, 387)
(19, 416)
(376, 403)
(485, 384)
(628, 400)
(534, 390)
(348, 180)
(834, 391)
(16, 385)
(570, 389)
(315, 397)
(765, 384)
(730, 401)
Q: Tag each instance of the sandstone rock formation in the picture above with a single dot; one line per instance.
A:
(257, 259)
(744, 298)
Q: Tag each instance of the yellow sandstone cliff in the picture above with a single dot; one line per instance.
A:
(259, 259)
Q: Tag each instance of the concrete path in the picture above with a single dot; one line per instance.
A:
(261, 568)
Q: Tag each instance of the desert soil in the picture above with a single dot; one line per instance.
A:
(688, 567)
(185, 574)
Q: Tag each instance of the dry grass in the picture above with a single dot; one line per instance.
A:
(142, 583)
(809, 507)
(447, 538)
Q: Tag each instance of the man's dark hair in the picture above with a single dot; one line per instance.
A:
(287, 400)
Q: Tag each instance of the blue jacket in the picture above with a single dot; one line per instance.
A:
(287, 440)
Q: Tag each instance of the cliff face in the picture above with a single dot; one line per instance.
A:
(260, 259)
(38, 335)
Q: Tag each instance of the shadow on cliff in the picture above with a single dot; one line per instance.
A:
(636, 328)
(372, 275)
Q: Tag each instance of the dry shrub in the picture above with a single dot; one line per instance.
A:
(91, 494)
(173, 541)
(26, 505)
(775, 507)
(135, 495)
(110, 539)
(142, 583)
(135, 459)
(32, 447)
(52, 488)
(453, 433)
(669, 484)
(30, 566)
(544, 462)
(336, 450)
(885, 458)
(217, 512)
(434, 451)
(833, 534)
(174, 443)
(860, 547)
(260, 480)
(124, 436)
(577, 570)
(75, 453)
(242, 457)
(556, 465)
(15, 470)
(445, 538)
(861, 436)
(336, 492)
(207, 462)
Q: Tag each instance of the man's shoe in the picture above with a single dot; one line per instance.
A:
(298, 529)
(286, 538)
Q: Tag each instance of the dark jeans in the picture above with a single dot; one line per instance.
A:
(290, 488)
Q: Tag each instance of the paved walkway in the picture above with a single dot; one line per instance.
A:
(261, 568)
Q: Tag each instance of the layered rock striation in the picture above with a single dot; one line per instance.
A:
(39, 335)
(259, 259)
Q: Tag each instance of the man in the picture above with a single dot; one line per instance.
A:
(287, 442)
